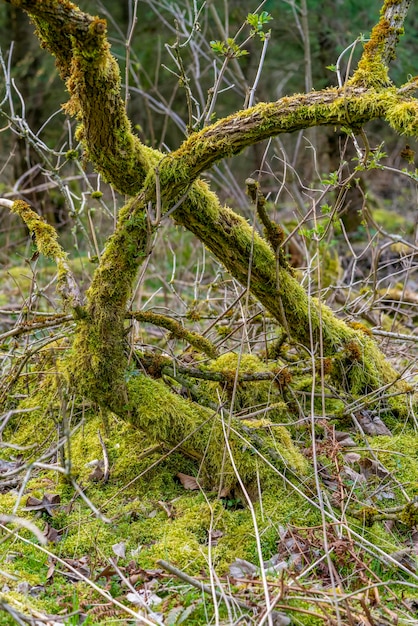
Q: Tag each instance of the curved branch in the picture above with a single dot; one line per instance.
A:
(79, 43)
(351, 107)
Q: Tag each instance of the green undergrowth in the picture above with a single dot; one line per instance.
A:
(155, 516)
(22, 280)
(148, 508)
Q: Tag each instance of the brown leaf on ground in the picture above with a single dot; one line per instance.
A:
(48, 504)
(81, 567)
(9, 466)
(241, 568)
(372, 424)
(51, 569)
(344, 439)
(52, 534)
(188, 482)
(351, 474)
(97, 474)
(139, 574)
(405, 558)
(107, 572)
(370, 467)
(352, 457)
(215, 535)
(225, 491)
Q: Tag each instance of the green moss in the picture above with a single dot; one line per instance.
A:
(98, 363)
(402, 116)
(173, 419)
(71, 155)
(409, 515)
(390, 220)
(405, 464)
(45, 235)
(182, 539)
(138, 516)
(372, 69)
(384, 539)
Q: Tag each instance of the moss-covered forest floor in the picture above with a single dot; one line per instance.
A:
(335, 522)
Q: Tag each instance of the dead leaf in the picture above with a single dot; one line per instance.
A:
(370, 467)
(8, 466)
(214, 536)
(351, 474)
(414, 539)
(385, 495)
(52, 534)
(135, 578)
(49, 502)
(51, 570)
(274, 566)
(372, 424)
(97, 474)
(107, 572)
(144, 575)
(120, 549)
(352, 457)
(36, 590)
(344, 439)
(280, 619)
(81, 567)
(144, 596)
(225, 491)
(242, 569)
(188, 482)
(412, 604)
(404, 558)
(327, 479)
(23, 587)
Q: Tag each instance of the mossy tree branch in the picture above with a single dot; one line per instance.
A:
(177, 330)
(79, 43)
(373, 67)
(92, 76)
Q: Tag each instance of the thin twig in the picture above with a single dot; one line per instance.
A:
(105, 458)
(201, 586)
